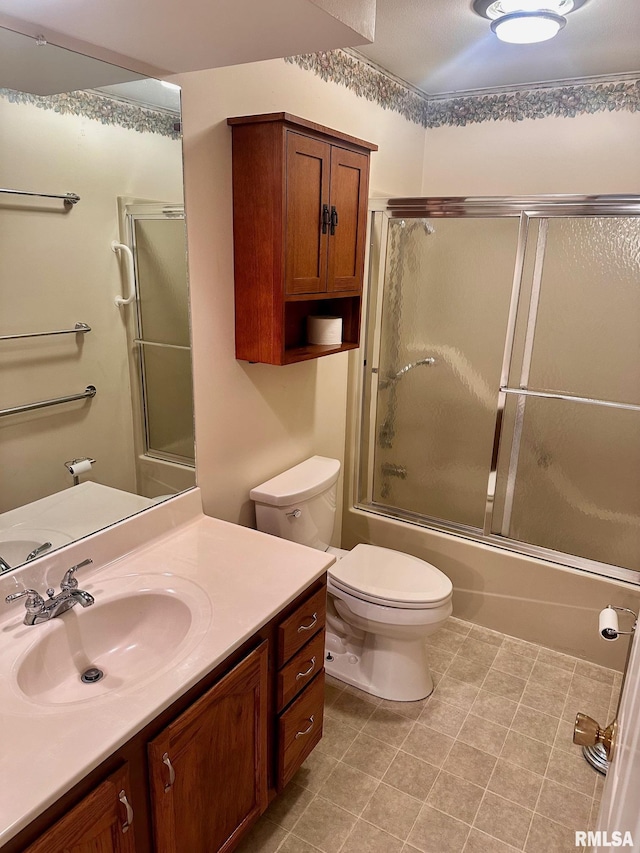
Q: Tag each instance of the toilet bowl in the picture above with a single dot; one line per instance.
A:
(381, 604)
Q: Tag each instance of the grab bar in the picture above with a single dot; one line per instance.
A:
(69, 198)
(557, 395)
(78, 329)
(89, 391)
(128, 255)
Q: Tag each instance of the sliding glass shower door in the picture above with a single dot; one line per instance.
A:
(502, 386)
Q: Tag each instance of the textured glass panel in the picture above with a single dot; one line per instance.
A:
(162, 280)
(446, 297)
(169, 400)
(587, 338)
(576, 487)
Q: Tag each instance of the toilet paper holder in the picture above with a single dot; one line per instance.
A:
(78, 466)
(609, 629)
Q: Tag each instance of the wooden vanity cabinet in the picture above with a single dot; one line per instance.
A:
(300, 194)
(199, 775)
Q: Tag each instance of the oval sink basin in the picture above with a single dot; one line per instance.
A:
(18, 542)
(131, 638)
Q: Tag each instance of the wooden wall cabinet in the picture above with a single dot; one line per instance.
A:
(300, 194)
(199, 776)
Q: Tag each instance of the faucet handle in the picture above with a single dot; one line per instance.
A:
(69, 580)
(34, 602)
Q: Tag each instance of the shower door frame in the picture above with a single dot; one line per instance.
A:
(526, 208)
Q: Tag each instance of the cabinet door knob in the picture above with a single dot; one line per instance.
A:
(172, 773)
(312, 624)
(307, 671)
(334, 220)
(307, 730)
(326, 218)
(125, 802)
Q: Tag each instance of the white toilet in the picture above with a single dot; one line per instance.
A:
(382, 604)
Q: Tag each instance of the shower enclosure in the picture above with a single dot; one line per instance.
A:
(501, 379)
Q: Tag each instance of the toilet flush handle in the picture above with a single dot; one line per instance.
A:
(296, 513)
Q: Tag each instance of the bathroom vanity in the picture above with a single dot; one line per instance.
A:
(184, 754)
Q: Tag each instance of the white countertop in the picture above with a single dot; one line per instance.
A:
(238, 579)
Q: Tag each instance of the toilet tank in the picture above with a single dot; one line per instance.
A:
(300, 503)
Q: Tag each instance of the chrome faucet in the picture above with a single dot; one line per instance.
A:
(39, 610)
(4, 566)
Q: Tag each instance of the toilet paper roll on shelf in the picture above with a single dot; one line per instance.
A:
(323, 330)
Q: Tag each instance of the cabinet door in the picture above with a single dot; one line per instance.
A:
(348, 211)
(208, 769)
(308, 164)
(98, 824)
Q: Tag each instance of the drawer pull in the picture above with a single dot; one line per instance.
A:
(307, 730)
(312, 624)
(307, 671)
(172, 773)
(125, 802)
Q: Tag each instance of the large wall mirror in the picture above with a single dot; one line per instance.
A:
(96, 408)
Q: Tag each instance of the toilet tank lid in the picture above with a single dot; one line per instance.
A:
(299, 483)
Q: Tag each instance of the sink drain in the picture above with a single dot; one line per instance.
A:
(91, 675)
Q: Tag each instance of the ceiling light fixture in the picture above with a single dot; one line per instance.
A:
(526, 21)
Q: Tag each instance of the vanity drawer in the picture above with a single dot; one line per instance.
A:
(303, 623)
(300, 729)
(300, 670)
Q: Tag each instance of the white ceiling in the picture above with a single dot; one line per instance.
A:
(443, 46)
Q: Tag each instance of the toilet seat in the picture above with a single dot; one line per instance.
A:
(390, 578)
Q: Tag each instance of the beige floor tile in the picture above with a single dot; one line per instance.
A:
(495, 708)
(588, 690)
(292, 844)
(392, 810)
(337, 737)
(469, 763)
(526, 752)
(545, 836)
(352, 709)
(388, 727)
(443, 717)
(535, 724)
(521, 647)
(502, 684)
(480, 842)
(410, 710)
(513, 664)
(457, 625)
(543, 699)
(456, 797)
(503, 819)
(483, 734)
(436, 832)
(598, 710)
(370, 755)
(469, 671)
(264, 837)
(595, 672)
(427, 744)
(593, 817)
(366, 838)
(563, 805)
(479, 650)
(564, 737)
(516, 784)
(439, 659)
(548, 656)
(552, 677)
(456, 692)
(289, 805)
(325, 825)
(477, 632)
(331, 693)
(315, 771)
(572, 770)
(411, 775)
(349, 788)
(449, 641)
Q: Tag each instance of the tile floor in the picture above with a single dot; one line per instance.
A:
(484, 765)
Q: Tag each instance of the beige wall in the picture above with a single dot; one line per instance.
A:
(254, 420)
(58, 269)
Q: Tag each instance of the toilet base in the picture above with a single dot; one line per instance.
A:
(385, 668)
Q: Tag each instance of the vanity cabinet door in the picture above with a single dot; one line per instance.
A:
(100, 823)
(208, 769)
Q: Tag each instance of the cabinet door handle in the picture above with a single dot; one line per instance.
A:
(172, 773)
(326, 218)
(307, 671)
(334, 219)
(312, 624)
(125, 802)
(307, 730)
